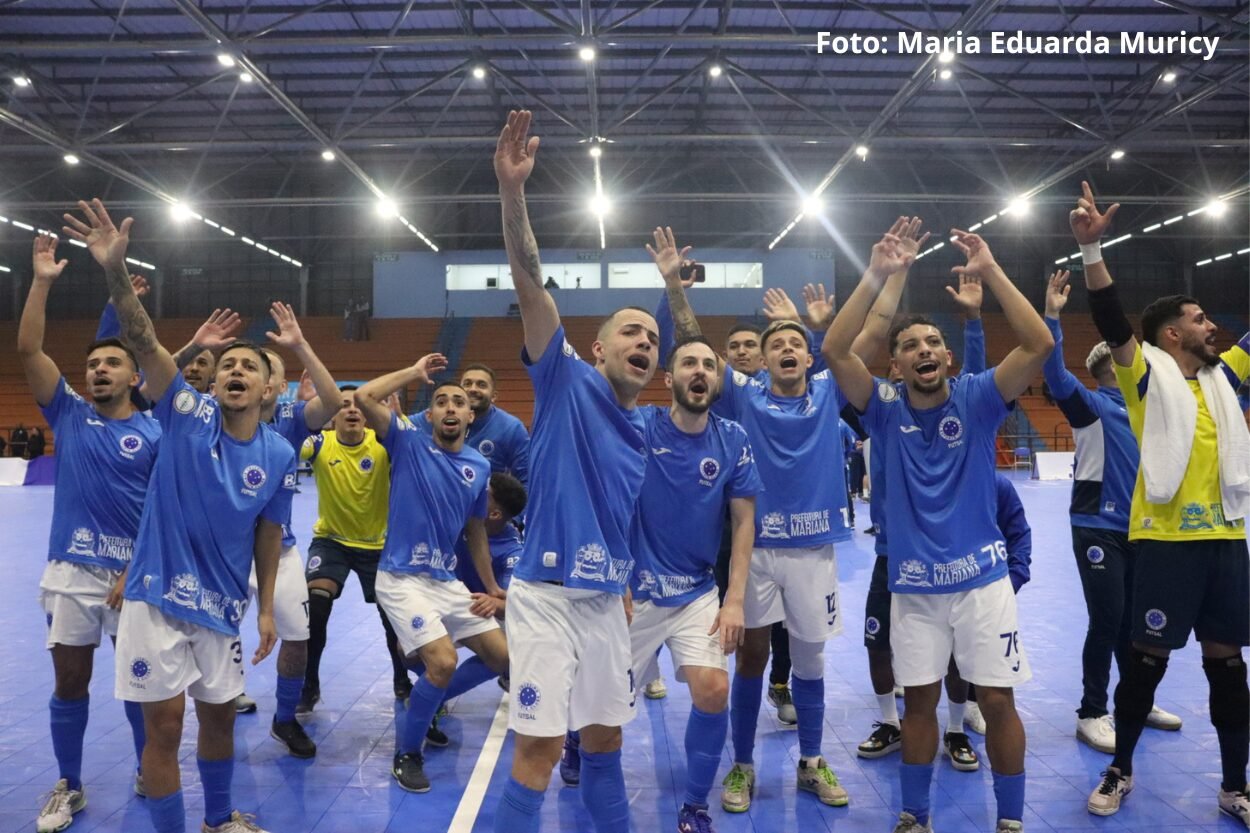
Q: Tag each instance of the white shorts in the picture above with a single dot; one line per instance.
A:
(569, 656)
(795, 586)
(290, 596)
(977, 627)
(683, 629)
(72, 595)
(159, 657)
(423, 609)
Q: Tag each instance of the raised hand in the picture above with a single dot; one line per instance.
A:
(289, 334)
(980, 258)
(106, 242)
(1088, 225)
(819, 308)
(139, 284)
(889, 254)
(666, 255)
(218, 331)
(909, 237)
(46, 266)
(428, 365)
(1057, 290)
(778, 306)
(969, 295)
(514, 153)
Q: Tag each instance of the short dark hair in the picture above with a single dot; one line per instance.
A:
(1161, 313)
(907, 322)
(241, 344)
(779, 326)
(509, 493)
(743, 327)
(113, 342)
(684, 342)
(608, 320)
(446, 383)
(479, 366)
(348, 387)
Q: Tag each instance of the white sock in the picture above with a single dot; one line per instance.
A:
(810, 762)
(889, 708)
(956, 720)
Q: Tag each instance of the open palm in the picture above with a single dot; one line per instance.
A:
(106, 242)
(515, 150)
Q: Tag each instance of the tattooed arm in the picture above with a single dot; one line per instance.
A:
(668, 260)
(107, 244)
(514, 161)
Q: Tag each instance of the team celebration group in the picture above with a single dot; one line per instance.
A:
(709, 526)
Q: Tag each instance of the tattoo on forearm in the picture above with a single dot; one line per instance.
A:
(685, 325)
(137, 329)
(519, 238)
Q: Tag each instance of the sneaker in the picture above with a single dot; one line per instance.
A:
(1097, 732)
(244, 704)
(694, 820)
(737, 789)
(885, 738)
(237, 823)
(1159, 719)
(141, 789)
(1009, 826)
(1236, 804)
(1106, 797)
(907, 824)
(435, 736)
(571, 760)
(308, 698)
(958, 748)
(779, 696)
(409, 770)
(59, 807)
(821, 781)
(973, 719)
(402, 688)
(292, 735)
(655, 690)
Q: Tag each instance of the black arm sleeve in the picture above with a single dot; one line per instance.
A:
(1109, 317)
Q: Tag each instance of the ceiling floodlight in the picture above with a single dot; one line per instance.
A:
(479, 73)
(327, 155)
(595, 151)
(70, 159)
(225, 59)
(1117, 154)
(586, 53)
(813, 206)
(246, 77)
(180, 211)
(1018, 207)
(1169, 76)
(21, 80)
(861, 151)
(1216, 207)
(945, 75)
(715, 71)
(600, 205)
(387, 208)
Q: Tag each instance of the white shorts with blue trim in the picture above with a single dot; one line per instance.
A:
(73, 597)
(159, 657)
(798, 586)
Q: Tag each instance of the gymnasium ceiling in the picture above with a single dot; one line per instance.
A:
(409, 97)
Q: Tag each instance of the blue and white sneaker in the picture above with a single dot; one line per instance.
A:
(571, 760)
(694, 820)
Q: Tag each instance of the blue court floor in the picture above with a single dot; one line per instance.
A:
(348, 789)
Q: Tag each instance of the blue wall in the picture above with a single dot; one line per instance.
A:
(413, 284)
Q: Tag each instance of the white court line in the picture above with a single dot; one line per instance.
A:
(475, 790)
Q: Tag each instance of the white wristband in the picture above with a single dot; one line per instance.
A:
(1091, 253)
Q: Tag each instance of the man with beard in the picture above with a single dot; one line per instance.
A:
(496, 434)
(438, 488)
(219, 492)
(105, 450)
(1187, 518)
(566, 619)
(948, 562)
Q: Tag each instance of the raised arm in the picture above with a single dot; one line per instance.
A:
(215, 334)
(109, 326)
(1088, 226)
(107, 244)
(872, 338)
(514, 162)
(668, 260)
(328, 400)
(371, 397)
(42, 373)
(968, 298)
(1015, 373)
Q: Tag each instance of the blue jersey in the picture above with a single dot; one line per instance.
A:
(589, 457)
(505, 552)
(433, 493)
(498, 436)
(102, 470)
(939, 463)
(288, 420)
(207, 492)
(1107, 455)
(690, 480)
(1016, 530)
(797, 442)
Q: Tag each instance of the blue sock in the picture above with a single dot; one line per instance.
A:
(705, 739)
(69, 724)
(216, 777)
(1009, 793)
(471, 674)
(915, 780)
(134, 714)
(809, 706)
(745, 696)
(603, 791)
(423, 704)
(518, 809)
(168, 814)
(288, 696)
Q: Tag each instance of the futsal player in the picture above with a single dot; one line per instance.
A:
(104, 454)
(220, 488)
(438, 488)
(505, 501)
(496, 434)
(1187, 517)
(948, 560)
(570, 658)
(1102, 493)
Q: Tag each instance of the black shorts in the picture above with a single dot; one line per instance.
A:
(332, 560)
(1199, 586)
(877, 607)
